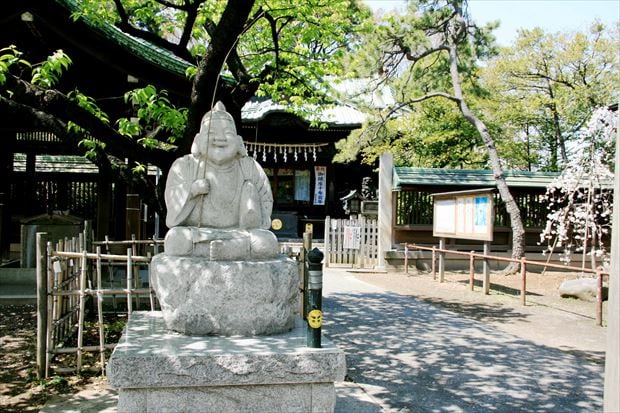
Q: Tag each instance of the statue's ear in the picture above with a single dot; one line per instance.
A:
(242, 151)
(195, 146)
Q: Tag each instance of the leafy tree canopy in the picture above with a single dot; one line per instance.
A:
(274, 48)
(545, 87)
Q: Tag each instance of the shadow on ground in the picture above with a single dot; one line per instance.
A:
(414, 356)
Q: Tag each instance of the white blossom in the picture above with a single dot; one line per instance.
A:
(580, 199)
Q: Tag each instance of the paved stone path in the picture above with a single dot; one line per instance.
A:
(410, 356)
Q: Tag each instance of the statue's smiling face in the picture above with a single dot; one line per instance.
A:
(223, 142)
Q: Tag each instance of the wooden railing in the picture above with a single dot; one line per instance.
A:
(523, 262)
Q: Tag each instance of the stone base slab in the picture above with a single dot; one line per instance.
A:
(157, 370)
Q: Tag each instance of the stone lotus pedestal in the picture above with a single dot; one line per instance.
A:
(157, 370)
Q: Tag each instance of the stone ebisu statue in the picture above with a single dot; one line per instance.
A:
(221, 272)
(219, 199)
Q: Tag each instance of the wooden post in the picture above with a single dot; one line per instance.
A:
(82, 302)
(599, 298)
(50, 309)
(99, 299)
(472, 263)
(434, 263)
(486, 275)
(129, 283)
(41, 303)
(442, 259)
(132, 215)
(326, 238)
(523, 280)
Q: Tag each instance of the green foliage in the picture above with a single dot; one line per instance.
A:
(286, 50)
(434, 134)
(547, 85)
(91, 146)
(420, 130)
(139, 168)
(89, 104)
(48, 73)
(10, 56)
(155, 109)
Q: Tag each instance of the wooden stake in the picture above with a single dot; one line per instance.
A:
(41, 238)
(486, 274)
(442, 259)
(434, 263)
(129, 282)
(472, 263)
(82, 300)
(99, 299)
(523, 280)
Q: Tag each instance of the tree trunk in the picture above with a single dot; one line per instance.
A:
(207, 80)
(518, 239)
(559, 139)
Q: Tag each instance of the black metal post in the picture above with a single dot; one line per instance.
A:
(314, 315)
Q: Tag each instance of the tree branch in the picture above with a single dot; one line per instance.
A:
(128, 28)
(35, 101)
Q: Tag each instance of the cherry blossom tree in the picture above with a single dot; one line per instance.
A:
(580, 200)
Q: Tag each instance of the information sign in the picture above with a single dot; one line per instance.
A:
(464, 214)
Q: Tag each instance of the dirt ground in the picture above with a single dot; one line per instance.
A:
(20, 391)
(565, 323)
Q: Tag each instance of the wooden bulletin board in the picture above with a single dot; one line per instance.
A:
(464, 214)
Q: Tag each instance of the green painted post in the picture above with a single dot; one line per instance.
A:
(314, 316)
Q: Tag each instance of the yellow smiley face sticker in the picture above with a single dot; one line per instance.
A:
(315, 318)
(276, 224)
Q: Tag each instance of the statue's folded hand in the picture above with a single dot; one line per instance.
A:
(200, 187)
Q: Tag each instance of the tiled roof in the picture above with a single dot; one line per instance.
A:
(56, 163)
(145, 50)
(468, 178)
(339, 115)
(349, 95)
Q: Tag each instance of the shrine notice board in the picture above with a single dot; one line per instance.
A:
(464, 214)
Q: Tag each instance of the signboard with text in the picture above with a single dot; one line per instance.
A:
(464, 214)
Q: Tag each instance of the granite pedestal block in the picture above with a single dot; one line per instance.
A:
(201, 297)
(157, 370)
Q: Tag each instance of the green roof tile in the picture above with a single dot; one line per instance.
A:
(468, 178)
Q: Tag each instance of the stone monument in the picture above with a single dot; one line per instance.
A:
(228, 337)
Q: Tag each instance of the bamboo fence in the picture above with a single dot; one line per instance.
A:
(70, 284)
